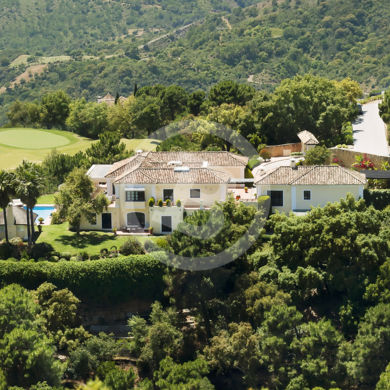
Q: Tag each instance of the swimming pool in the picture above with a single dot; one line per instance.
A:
(43, 211)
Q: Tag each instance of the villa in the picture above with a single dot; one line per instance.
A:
(299, 188)
(180, 183)
(183, 181)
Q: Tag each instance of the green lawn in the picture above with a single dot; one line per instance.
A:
(46, 199)
(145, 144)
(64, 240)
(17, 144)
(33, 139)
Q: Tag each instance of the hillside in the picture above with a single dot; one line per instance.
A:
(91, 48)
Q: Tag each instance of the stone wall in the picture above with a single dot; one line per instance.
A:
(283, 149)
(347, 157)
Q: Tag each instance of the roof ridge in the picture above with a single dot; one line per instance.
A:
(308, 169)
(127, 172)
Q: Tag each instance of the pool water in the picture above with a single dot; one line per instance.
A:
(43, 211)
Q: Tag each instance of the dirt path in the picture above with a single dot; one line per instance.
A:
(226, 20)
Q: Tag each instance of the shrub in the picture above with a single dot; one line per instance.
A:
(151, 202)
(363, 162)
(106, 280)
(81, 256)
(178, 203)
(160, 203)
(104, 369)
(131, 247)
(317, 156)
(264, 154)
(82, 362)
(162, 242)
(41, 250)
(66, 255)
(16, 241)
(380, 199)
(6, 250)
(119, 379)
(104, 252)
(56, 219)
(168, 203)
(151, 246)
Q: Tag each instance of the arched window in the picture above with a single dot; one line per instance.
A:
(136, 219)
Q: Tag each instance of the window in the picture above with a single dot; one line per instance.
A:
(135, 196)
(166, 224)
(168, 194)
(94, 220)
(307, 195)
(194, 193)
(276, 198)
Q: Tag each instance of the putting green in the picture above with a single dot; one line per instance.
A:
(32, 139)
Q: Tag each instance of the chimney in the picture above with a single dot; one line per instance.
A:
(293, 164)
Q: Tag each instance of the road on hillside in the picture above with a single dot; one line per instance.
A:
(369, 131)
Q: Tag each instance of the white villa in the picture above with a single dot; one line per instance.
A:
(299, 188)
(196, 179)
(189, 181)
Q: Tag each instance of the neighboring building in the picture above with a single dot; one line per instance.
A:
(308, 140)
(197, 179)
(109, 99)
(16, 222)
(299, 188)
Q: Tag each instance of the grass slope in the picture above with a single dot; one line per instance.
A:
(18, 144)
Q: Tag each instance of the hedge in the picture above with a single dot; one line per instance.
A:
(377, 198)
(100, 281)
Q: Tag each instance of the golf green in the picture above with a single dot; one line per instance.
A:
(32, 139)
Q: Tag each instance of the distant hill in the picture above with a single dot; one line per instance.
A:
(94, 47)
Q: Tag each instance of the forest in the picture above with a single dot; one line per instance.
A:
(260, 44)
(307, 307)
(324, 107)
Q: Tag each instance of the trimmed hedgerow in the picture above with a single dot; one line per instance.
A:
(377, 198)
(108, 280)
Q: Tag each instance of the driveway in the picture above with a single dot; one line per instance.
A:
(369, 131)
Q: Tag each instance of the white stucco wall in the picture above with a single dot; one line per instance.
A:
(320, 195)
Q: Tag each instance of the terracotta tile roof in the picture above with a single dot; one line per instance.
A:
(159, 167)
(126, 165)
(307, 138)
(195, 159)
(171, 176)
(311, 175)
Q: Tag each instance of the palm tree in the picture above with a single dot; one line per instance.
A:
(28, 187)
(6, 191)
